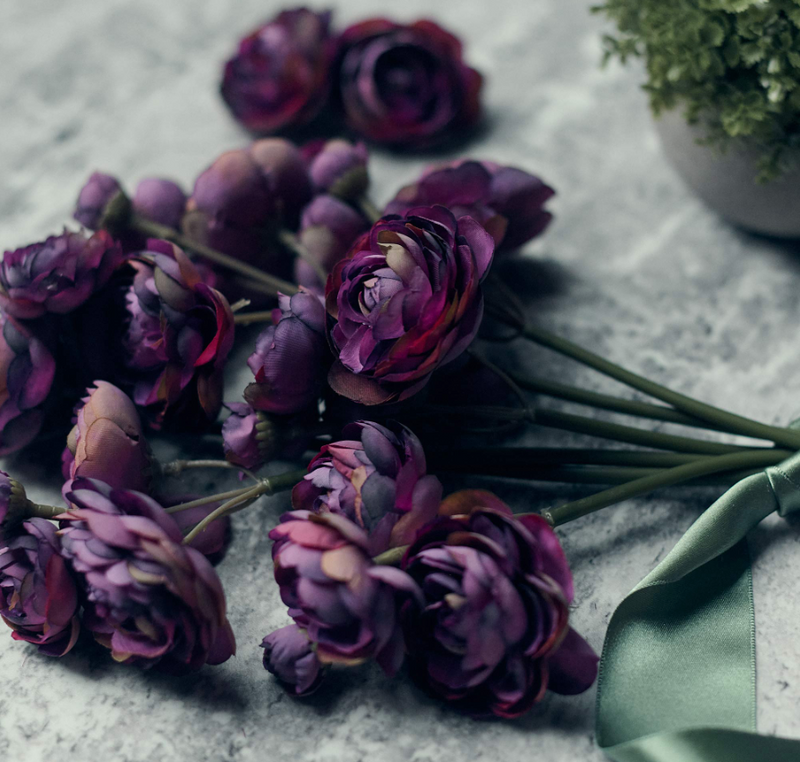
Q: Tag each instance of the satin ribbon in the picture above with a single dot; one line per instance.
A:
(677, 675)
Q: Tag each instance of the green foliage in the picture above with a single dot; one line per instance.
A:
(733, 65)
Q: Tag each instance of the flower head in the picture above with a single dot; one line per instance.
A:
(94, 199)
(346, 604)
(57, 275)
(279, 76)
(107, 441)
(284, 167)
(377, 479)
(160, 200)
(289, 656)
(507, 201)
(406, 84)
(338, 167)
(406, 300)
(494, 632)
(290, 357)
(149, 598)
(178, 337)
(38, 595)
(27, 370)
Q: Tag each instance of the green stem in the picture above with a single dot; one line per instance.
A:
(751, 459)
(728, 421)
(155, 230)
(291, 242)
(368, 209)
(391, 557)
(208, 499)
(51, 512)
(176, 467)
(246, 318)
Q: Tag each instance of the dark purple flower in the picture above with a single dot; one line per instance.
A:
(38, 596)
(107, 441)
(377, 479)
(494, 631)
(27, 370)
(160, 200)
(284, 167)
(507, 201)
(280, 75)
(338, 167)
(149, 598)
(57, 275)
(406, 300)
(289, 656)
(93, 199)
(290, 357)
(328, 229)
(346, 604)
(406, 84)
(179, 335)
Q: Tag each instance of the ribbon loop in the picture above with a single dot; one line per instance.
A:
(784, 479)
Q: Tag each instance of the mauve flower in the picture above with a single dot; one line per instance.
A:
(178, 338)
(338, 167)
(346, 604)
(93, 199)
(27, 370)
(406, 84)
(406, 300)
(507, 201)
(149, 599)
(38, 596)
(107, 441)
(288, 655)
(328, 229)
(160, 200)
(290, 357)
(377, 478)
(280, 75)
(285, 169)
(494, 631)
(57, 275)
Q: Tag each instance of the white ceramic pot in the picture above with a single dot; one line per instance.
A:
(727, 181)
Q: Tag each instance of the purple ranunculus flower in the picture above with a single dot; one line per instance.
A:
(247, 436)
(284, 167)
(280, 75)
(38, 595)
(507, 201)
(406, 84)
(27, 369)
(377, 478)
(406, 300)
(338, 167)
(346, 604)
(57, 275)
(328, 229)
(494, 632)
(160, 200)
(179, 334)
(107, 441)
(93, 199)
(290, 358)
(149, 598)
(289, 656)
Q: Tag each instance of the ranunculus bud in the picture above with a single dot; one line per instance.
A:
(149, 598)
(346, 604)
(213, 541)
(247, 436)
(38, 596)
(338, 167)
(406, 84)
(406, 300)
(290, 357)
(27, 370)
(107, 441)
(160, 200)
(377, 479)
(289, 656)
(94, 198)
(328, 229)
(283, 165)
(494, 631)
(57, 275)
(179, 336)
(280, 75)
(507, 201)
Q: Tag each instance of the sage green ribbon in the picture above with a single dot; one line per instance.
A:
(677, 675)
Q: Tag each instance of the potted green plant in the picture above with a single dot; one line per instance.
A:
(723, 78)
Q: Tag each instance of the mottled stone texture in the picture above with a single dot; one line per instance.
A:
(633, 266)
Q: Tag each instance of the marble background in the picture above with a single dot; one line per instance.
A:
(633, 266)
